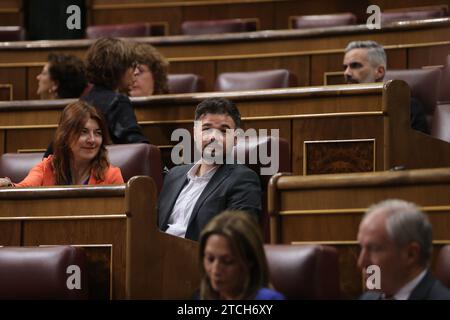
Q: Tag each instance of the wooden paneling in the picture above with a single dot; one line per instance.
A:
(128, 257)
(11, 13)
(301, 114)
(328, 209)
(6, 92)
(308, 54)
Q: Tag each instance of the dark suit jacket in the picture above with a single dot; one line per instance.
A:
(428, 288)
(418, 116)
(233, 186)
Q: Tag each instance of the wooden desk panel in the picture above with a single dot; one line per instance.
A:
(128, 257)
(327, 209)
(309, 118)
(308, 53)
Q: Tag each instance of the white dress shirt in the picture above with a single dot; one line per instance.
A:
(185, 203)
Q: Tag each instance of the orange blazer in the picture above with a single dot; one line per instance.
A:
(42, 175)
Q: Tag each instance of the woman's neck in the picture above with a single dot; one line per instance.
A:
(80, 172)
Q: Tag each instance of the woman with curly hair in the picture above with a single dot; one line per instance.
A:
(150, 75)
(110, 64)
(62, 77)
(80, 156)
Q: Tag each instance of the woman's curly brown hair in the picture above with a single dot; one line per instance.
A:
(107, 60)
(157, 64)
(68, 71)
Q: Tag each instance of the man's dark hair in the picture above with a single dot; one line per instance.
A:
(219, 106)
(69, 73)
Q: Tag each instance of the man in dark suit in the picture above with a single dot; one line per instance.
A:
(193, 194)
(365, 62)
(397, 237)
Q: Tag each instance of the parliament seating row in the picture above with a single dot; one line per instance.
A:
(348, 128)
(327, 210)
(310, 55)
(196, 27)
(50, 272)
(146, 261)
(126, 255)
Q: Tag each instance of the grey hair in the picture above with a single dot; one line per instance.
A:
(375, 52)
(406, 223)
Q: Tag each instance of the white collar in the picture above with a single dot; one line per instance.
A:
(191, 174)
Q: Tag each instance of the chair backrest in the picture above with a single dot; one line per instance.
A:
(442, 269)
(254, 80)
(257, 152)
(424, 84)
(57, 272)
(304, 271)
(132, 159)
(185, 83)
(418, 13)
(143, 29)
(322, 20)
(12, 33)
(444, 86)
(198, 27)
(440, 127)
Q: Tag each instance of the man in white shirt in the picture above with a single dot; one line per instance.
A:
(193, 194)
(397, 237)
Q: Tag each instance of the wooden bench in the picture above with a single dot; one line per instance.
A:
(128, 257)
(310, 54)
(327, 209)
(348, 128)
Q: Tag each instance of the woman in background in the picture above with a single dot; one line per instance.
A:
(62, 77)
(80, 156)
(233, 261)
(110, 64)
(150, 74)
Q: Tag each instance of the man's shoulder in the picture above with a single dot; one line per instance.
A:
(239, 169)
(180, 169)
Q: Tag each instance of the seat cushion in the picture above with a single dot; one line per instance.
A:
(254, 80)
(304, 272)
(218, 26)
(185, 83)
(322, 20)
(42, 273)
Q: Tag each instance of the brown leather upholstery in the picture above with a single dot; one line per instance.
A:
(125, 30)
(263, 147)
(12, 33)
(413, 14)
(217, 26)
(304, 271)
(185, 83)
(41, 272)
(137, 159)
(440, 127)
(443, 266)
(444, 86)
(132, 159)
(424, 84)
(322, 20)
(254, 80)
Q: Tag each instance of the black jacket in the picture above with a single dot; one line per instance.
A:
(233, 186)
(428, 289)
(119, 115)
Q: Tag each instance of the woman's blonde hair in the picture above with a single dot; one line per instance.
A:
(245, 240)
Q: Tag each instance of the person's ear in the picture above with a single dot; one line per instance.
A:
(413, 253)
(380, 71)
